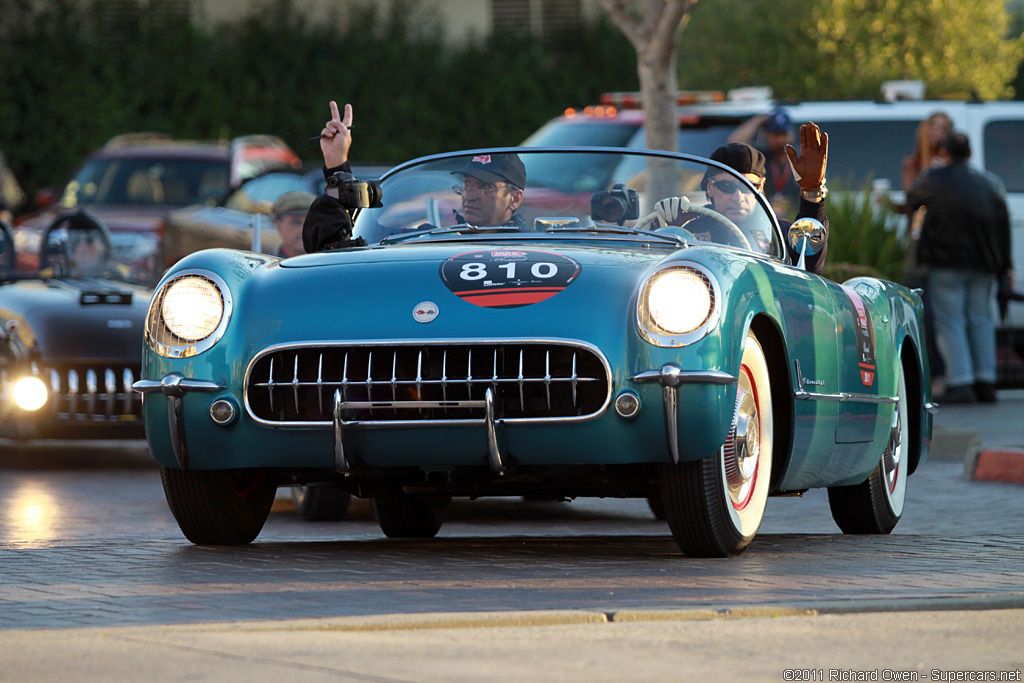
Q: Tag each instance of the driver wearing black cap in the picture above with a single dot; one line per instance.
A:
(736, 202)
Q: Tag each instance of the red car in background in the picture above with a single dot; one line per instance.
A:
(135, 179)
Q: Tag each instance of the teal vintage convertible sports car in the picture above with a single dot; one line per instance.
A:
(594, 345)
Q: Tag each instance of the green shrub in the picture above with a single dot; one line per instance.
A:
(865, 238)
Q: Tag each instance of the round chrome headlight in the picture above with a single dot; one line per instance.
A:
(29, 393)
(677, 305)
(192, 308)
(188, 314)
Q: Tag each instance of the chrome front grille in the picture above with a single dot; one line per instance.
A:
(91, 392)
(427, 382)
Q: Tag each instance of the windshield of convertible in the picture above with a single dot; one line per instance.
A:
(571, 192)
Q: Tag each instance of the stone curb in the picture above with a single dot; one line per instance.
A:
(462, 620)
(1000, 464)
(952, 444)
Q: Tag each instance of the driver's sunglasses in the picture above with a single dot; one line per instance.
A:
(486, 189)
(730, 186)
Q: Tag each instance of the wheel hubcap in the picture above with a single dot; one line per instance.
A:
(893, 452)
(743, 447)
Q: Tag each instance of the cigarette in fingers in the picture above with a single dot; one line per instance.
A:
(325, 137)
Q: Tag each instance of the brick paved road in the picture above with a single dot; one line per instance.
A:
(97, 547)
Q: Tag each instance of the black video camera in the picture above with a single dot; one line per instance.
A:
(354, 193)
(616, 205)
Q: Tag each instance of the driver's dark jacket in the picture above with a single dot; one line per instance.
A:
(328, 223)
(814, 263)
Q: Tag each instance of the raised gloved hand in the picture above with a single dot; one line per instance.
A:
(809, 165)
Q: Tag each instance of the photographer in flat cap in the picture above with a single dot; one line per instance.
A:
(736, 202)
(491, 189)
(289, 214)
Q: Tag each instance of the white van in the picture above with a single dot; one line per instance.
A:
(867, 141)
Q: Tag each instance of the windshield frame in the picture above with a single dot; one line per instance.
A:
(779, 237)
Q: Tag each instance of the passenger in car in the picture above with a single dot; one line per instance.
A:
(735, 201)
(491, 189)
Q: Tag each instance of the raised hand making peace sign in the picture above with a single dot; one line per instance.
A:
(336, 137)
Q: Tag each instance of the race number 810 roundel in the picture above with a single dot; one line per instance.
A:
(508, 278)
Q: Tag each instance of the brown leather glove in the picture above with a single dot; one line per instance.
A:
(809, 166)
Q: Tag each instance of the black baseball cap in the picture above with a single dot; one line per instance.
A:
(492, 168)
(778, 121)
(738, 156)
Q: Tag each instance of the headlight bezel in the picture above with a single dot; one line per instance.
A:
(165, 342)
(648, 326)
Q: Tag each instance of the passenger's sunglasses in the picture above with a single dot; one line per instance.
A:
(488, 190)
(730, 186)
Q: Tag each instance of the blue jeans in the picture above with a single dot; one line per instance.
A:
(965, 326)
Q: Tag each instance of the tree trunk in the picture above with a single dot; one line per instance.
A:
(654, 31)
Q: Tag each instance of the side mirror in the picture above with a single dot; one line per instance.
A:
(807, 237)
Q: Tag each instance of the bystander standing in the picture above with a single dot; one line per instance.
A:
(780, 185)
(925, 155)
(965, 247)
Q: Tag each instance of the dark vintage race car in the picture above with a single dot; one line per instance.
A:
(616, 338)
(70, 338)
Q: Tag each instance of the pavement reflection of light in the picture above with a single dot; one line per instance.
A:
(30, 515)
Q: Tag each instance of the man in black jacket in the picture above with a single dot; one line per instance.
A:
(965, 244)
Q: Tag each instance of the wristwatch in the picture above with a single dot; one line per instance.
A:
(815, 195)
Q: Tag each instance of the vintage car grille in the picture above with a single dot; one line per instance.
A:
(419, 382)
(93, 392)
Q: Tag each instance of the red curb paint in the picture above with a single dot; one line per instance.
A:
(1000, 465)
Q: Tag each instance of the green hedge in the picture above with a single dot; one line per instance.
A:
(64, 90)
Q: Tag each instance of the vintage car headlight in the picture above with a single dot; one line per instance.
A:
(678, 305)
(29, 393)
(187, 315)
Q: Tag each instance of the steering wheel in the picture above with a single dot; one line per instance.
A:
(685, 207)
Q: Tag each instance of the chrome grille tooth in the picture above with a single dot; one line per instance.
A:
(394, 377)
(444, 375)
(369, 381)
(547, 376)
(494, 376)
(320, 384)
(127, 380)
(91, 387)
(110, 384)
(522, 401)
(574, 377)
(344, 379)
(469, 375)
(295, 382)
(419, 376)
(72, 391)
(270, 384)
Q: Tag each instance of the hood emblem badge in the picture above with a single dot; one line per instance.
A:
(424, 312)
